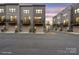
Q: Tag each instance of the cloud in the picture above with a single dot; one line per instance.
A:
(54, 10)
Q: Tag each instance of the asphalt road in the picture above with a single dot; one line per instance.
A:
(39, 44)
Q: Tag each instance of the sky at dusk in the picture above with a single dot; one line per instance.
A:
(53, 8)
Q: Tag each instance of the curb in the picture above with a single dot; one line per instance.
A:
(73, 33)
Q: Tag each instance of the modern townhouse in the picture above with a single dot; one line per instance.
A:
(2, 16)
(39, 17)
(75, 17)
(22, 17)
(67, 19)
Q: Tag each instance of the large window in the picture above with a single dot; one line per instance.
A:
(2, 18)
(26, 11)
(26, 20)
(58, 17)
(13, 18)
(37, 20)
(76, 10)
(65, 15)
(77, 19)
(39, 11)
(12, 10)
(1, 10)
(65, 22)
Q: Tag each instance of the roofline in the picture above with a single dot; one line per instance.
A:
(38, 5)
(25, 5)
(11, 3)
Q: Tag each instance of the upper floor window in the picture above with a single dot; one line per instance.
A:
(1, 10)
(39, 11)
(53, 20)
(12, 10)
(26, 11)
(58, 17)
(65, 15)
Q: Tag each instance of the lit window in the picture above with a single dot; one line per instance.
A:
(13, 18)
(77, 19)
(37, 20)
(39, 11)
(1, 10)
(26, 11)
(66, 21)
(2, 18)
(78, 10)
(37, 17)
(12, 10)
(26, 20)
(27, 17)
(75, 11)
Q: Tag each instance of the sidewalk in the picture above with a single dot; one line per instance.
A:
(25, 32)
(33, 33)
(74, 33)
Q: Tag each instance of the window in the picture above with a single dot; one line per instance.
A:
(37, 20)
(65, 15)
(1, 10)
(77, 19)
(27, 17)
(77, 10)
(53, 20)
(65, 21)
(2, 18)
(26, 11)
(37, 17)
(12, 10)
(13, 18)
(58, 17)
(26, 20)
(39, 11)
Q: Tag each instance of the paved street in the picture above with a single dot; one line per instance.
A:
(39, 44)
